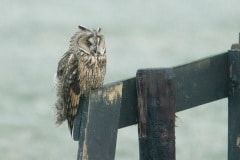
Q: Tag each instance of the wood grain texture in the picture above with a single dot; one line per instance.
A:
(234, 106)
(99, 124)
(156, 112)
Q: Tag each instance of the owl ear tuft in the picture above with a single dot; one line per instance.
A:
(99, 29)
(82, 28)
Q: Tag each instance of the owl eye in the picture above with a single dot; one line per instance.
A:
(88, 43)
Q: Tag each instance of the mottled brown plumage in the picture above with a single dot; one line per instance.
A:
(81, 69)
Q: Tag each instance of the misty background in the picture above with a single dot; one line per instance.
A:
(139, 34)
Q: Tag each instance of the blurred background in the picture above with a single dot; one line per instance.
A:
(139, 34)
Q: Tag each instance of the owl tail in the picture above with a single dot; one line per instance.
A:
(70, 125)
(59, 104)
(60, 111)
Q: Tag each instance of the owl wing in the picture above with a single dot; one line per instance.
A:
(62, 64)
(60, 107)
(71, 89)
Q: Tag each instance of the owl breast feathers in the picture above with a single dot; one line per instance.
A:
(81, 69)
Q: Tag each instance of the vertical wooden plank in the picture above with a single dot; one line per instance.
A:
(234, 104)
(80, 116)
(99, 124)
(80, 123)
(156, 114)
(128, 112)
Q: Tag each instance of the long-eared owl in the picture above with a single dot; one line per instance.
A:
(81, 69)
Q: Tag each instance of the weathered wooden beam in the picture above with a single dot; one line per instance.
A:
(197, 83)
(202, 81)
(156, 114)
(99, 118)
(234, 104)
(128, 112)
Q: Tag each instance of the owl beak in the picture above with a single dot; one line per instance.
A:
(101, 51)
(94, 52)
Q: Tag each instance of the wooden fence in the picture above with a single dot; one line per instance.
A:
(151, 100)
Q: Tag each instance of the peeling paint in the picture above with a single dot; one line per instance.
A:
(109, 94)
(238, 142)
(85, 154)
(112, 94)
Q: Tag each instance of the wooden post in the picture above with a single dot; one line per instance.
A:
(234, 103)
(158, 95)
(99, 123)
(156, 114)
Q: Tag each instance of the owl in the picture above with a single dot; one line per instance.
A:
(81, 69)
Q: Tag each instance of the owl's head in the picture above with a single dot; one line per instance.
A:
(89, 42)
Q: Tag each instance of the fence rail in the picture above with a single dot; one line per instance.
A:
(151, 99)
